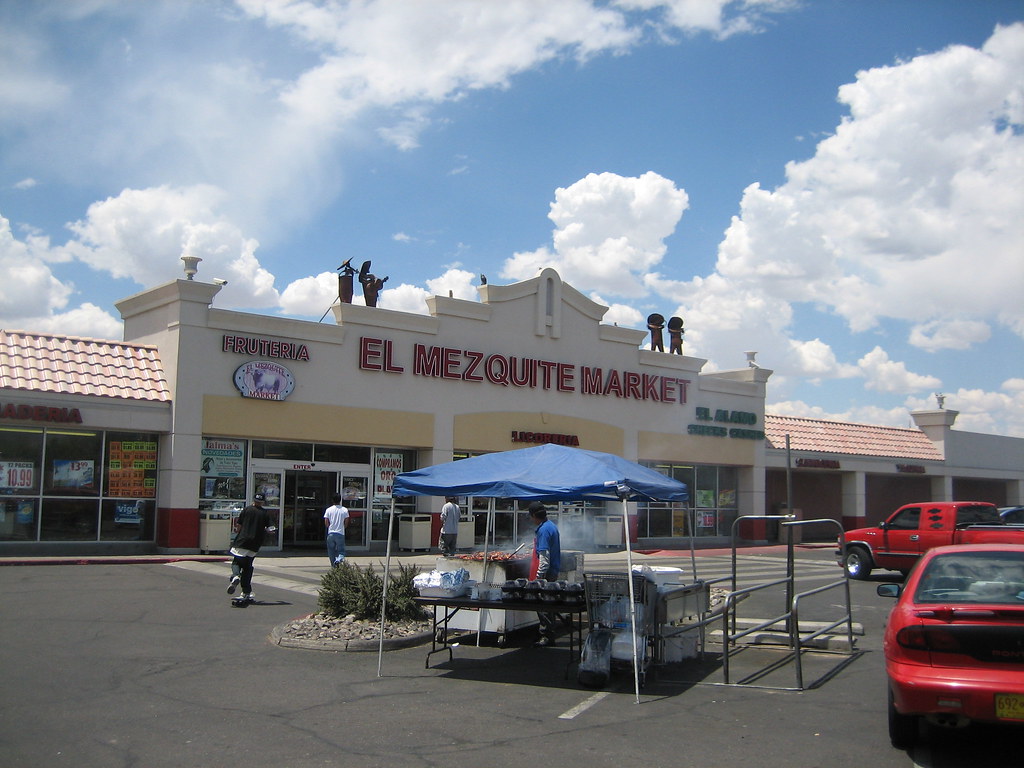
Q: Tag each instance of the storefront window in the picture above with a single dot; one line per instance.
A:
(222, 475)
(710, 512)
(19, 518)
(21, 455)
(341, 454)
(267, 449)
(72, 464)
(127, 519)
(69, 520)
(63, 485)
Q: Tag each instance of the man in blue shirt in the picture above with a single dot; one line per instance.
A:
(548, 551)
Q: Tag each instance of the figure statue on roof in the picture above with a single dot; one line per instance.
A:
(675, 335)
(656, 323)
(345, 273)
(372, 285)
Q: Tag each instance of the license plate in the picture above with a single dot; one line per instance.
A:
(1010, 706)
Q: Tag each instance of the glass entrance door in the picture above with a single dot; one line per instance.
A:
(306, 495)
(356, 499)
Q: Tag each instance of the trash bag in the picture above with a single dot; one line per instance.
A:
(596, 659)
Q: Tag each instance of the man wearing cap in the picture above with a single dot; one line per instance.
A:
(547, 551)
(252, 524)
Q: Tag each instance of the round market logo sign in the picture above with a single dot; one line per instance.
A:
(264, 380)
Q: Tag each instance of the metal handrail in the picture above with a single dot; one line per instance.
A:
(792, 616)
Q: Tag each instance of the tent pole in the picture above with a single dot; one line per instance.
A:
(384, 589)
(487, 529)
(632, 596)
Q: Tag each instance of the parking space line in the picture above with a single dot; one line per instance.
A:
(583, 706)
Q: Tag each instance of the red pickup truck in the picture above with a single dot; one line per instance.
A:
(913, 529)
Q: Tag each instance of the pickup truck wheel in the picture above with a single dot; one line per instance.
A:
(857, 563)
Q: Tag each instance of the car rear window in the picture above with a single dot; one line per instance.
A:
(973, 577)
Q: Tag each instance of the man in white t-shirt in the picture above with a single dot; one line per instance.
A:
(449, 525)
(336, 521)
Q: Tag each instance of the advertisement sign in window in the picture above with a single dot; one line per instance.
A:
(74, 474)
(385, 467)
(131, 468)
(17, 474)
(223, 458)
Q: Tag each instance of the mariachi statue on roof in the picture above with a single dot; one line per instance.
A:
(372, 284)
(675, 335)
(656, 324)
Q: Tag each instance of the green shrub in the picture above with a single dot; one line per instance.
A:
(347, 589)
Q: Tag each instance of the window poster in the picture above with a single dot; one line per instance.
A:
(131, 469)
(17, 475)
(705, 498)
(74, 474)
(269, 484)
(223, 458)
(386, 466)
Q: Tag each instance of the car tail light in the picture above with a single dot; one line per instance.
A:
(928, 639)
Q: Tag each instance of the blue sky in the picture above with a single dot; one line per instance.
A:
(834, 184)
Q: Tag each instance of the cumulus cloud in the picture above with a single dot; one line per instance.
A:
(609, 230)
(949, 334)
(910, 206)
(32, 298)
(142, 234)
(885, 375)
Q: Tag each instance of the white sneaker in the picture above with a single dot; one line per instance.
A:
(249, 598)
(233, 584)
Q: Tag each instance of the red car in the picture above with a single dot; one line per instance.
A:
(954, 642)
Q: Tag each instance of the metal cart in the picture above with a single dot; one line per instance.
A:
(609, 643)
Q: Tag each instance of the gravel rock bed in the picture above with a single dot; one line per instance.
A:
(320, 631)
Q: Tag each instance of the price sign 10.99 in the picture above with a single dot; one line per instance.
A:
(17, 474)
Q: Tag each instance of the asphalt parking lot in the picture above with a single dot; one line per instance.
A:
(148, 665)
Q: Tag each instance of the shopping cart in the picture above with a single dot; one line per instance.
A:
(609, 643)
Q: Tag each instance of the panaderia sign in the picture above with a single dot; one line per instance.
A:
(502, 370)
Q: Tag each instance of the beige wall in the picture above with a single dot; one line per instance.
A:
(661, 446)
(493, 431)
(306, 422)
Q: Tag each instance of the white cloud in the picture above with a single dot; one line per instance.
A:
(311, 296)
(26, 183)
(949, 334)
(885, 375)
(32, 298)
(911, 206)
(980, 411)
(621, 314)
(816, 360)
(458, 281)
(405, 298)
(723, 18)
(890, 417)
(142, 234)
(610, 229)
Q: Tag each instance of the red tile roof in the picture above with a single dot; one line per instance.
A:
(39, 362)
(842, 437)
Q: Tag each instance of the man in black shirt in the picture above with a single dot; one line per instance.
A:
(252, 524)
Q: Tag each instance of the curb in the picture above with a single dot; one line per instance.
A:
(115, 560)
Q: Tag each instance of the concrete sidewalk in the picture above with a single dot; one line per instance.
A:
(314, 559)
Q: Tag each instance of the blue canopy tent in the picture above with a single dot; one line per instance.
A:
(542, 473)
